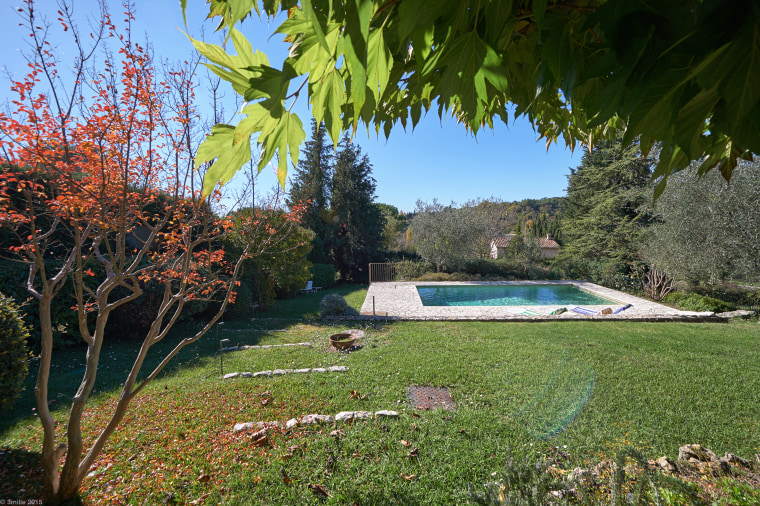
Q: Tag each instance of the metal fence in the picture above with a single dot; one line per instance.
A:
(382, 272)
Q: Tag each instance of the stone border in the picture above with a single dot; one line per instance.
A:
(401, 301)
(315, 419)
(282, 372)
(263, 346)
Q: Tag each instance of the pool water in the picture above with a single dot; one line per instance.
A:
(508, 295)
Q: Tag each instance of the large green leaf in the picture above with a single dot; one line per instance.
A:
(229, 158)
(328, 96)
(379, 62)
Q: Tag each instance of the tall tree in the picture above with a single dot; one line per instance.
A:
(604, 212)
(709, 230)
(104, 186)
(681, 73)
(359, 235)
(311, 187)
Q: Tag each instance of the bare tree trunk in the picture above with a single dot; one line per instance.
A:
(50, 453)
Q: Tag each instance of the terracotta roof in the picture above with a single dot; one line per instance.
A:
(502, 242)
(543, 242)
(548, 242)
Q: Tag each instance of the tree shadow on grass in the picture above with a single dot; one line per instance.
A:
(20, 475)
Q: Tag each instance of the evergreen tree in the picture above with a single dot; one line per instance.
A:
(311, 182)
(604, 215)
(360, 223)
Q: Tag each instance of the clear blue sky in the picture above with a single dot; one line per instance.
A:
(439, 159)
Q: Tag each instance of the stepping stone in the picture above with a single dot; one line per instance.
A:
(281, 372)
(387, 414)
(347, 416)
(315, 419)
(255, 425)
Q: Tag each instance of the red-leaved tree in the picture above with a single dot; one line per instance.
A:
(98, 186)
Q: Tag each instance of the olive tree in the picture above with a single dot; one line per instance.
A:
(709, 230)
(444, 235)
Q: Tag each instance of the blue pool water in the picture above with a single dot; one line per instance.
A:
(508, 295)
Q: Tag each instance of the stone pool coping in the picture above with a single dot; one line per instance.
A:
(401, 301)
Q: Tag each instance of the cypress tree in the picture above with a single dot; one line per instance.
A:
(311, 183)
(358, 239)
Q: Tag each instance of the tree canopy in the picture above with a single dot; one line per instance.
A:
(684, 74)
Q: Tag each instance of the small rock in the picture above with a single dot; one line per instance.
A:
(243, 426)
(741, 313)
(255, 425)
(337, 368)
(302, 370)
(387, 413)
(279, 372)
(319, 369)
(262, 373)
(313, 419)
(603, 466)
(730, 458)
(230, 375)
(363, 415)
(666, 464)
(291, 423)
(344, 416)
(579, 474)
(696, 453)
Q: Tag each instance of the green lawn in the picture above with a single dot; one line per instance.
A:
(522, 389)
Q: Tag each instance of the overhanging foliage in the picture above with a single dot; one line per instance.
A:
(685, 74)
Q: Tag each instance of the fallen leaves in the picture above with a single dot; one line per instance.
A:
(406, 443)
(259, 438)
(204, 478)
(319, 490)
(200, 500)
(285, 478)
(408, 477)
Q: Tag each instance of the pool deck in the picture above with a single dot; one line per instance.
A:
(401, 301)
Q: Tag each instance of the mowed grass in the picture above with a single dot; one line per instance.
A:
(521, 389)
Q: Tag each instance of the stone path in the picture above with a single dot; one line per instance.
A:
(280, 372)
(314, 419)
(401, 301)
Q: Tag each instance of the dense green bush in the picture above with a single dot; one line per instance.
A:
(335, 305)
(323, 275)
(14, 355)
(454, 276)
(243, 300)
(133, 319)
(409, 270)
(695, 302)
(734, 294)
(13, 276)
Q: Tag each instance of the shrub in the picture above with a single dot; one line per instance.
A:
(243, 300)
(323, 275)
(335, 305)
(454, 276)
(133, 320)
(696, 302)
(14, 355)
(13, 277)
(409, 270)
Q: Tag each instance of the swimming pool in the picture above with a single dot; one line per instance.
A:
(508, 295)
